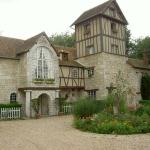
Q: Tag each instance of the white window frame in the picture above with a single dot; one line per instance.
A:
(74, 73)
(45, 74)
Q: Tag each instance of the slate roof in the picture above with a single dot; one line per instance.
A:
(97, 11)
(8, 46)
(11, 47)
(138, 63)
(70, 63)
(72, 52)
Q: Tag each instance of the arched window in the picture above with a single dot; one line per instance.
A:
(13, 97)
(43, 69)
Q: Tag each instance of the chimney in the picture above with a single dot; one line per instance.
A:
(145, 57)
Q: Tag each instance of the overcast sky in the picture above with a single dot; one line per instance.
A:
(26, 18)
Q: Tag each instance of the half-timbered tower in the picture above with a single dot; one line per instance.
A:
(100, 42)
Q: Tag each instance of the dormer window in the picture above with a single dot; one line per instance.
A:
(113, 28)
(87, 28)
(65, 56)
(115, 48)
(90, 50)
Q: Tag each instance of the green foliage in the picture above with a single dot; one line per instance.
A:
(11, 105)
(144, 109)
(63, 39)
(110, 124)
(130, 43)
(109, 104)
(85, 107)
(145, 102)
(138, 46)
(145, 86)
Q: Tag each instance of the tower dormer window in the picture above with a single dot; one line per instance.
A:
(112, 12)
(87, 28)
(90, 50)
(115, 48)
(113, 28)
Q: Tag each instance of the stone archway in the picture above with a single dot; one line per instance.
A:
(44, 104)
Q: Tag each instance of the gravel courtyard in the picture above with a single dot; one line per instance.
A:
(57, 133)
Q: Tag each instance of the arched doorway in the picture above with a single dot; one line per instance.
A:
(44, 104)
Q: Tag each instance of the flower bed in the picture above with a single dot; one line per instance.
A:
(109, 124)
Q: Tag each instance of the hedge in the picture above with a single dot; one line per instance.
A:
(10, 105)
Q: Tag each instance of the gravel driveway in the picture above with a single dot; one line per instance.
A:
(56, 133)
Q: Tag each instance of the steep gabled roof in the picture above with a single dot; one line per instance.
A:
(30, 42)
(11, 47)
(138, 63)
(97, 11)
(8, 46)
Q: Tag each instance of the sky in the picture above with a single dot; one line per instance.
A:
(26, 18)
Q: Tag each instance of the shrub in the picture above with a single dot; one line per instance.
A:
(144, 109)
(10, 105)
(85, 107)
(145, 102)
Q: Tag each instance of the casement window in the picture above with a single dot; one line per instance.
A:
(115, 48)
(92, 94)
(13, 97)
(87, 28)
(43, 67)
(113, 28)
(90, 50)
(90, 72)
(74, 73)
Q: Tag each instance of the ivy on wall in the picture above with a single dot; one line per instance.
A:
(145, 87)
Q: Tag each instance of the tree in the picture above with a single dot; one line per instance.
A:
(130, 43)
(64, 39)
(139, 45)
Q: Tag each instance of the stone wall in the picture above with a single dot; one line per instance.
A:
(106, 67)
(72, 95)
(8, 78)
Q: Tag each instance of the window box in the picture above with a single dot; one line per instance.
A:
(40, 81)
(49, 81)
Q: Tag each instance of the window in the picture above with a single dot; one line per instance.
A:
(113, 28)
(112, 12)
(92, 94)
(43, 64)
(74, 73)
(87, 28)
(91, 72)
(115, 48)
(65, 56)
(90, 50)
(13, 97)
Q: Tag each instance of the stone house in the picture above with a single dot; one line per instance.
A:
(34, 68)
